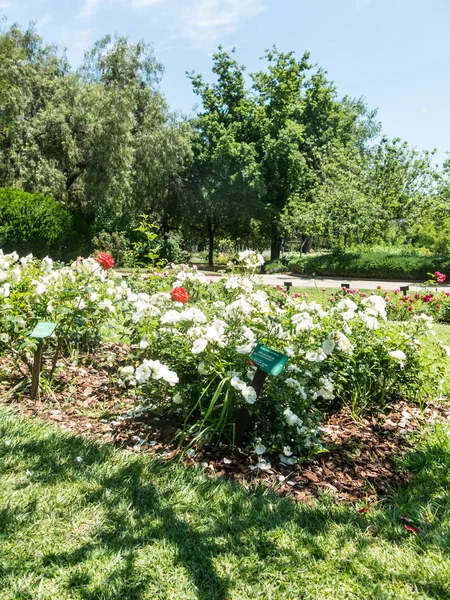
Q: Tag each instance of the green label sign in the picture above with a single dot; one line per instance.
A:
(268, 360)
(43, 329)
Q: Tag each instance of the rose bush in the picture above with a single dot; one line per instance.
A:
(430, 300)
(349, 352)
(191, 340)
(81, 298)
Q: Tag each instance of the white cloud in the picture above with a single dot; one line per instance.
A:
(360, 4)
(208, 20)
(90, 7)
(80, 40)
(196, 20)
(136, 4)
(43, 21)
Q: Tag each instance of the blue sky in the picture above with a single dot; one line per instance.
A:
(395, 53)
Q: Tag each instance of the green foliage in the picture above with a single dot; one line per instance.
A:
(34, 223)
(376, 265)
(146, 251)
(115, 243)
(173, 248)
(268, 143)
(275, 266)
(280, 156)
(100, 139)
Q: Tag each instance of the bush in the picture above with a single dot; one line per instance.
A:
(115, 243)
(371, 264)
(173, 248)
(33, 223)
(276, 266)
(191, 342)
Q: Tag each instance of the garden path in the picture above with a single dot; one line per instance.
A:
(332, 282)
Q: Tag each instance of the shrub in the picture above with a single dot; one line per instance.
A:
(275, 266)
(116, 243)
(173, 248)
(33, 223)
(191, 342)
(370, 264)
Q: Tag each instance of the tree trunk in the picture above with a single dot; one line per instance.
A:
(275, 250)
(210, 245)
(308, 244)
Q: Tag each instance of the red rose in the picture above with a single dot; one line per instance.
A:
(106, 260)
(179, 294)
(440, 277)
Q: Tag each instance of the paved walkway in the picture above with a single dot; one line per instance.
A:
(319, 282)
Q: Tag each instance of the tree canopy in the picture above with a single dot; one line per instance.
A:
(269, 156)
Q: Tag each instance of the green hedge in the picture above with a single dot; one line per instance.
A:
(34, 223)
(377, 265)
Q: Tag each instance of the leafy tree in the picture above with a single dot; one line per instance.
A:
(102, 139)
(400, 182)
(431, 229)
(226, 184)
(286, 126)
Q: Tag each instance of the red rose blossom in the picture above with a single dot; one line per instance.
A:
(440, 277)
(179, 294)
(106, 260)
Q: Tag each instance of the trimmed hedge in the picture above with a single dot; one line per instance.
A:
(367, 264)
(34, 223)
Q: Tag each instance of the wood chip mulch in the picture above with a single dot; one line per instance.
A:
(359, 462)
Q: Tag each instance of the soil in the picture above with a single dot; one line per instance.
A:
(360, 461)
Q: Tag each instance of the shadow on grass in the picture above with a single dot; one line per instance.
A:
(145, 504)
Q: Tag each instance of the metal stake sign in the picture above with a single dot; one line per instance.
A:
(42, 330)
(268, 362)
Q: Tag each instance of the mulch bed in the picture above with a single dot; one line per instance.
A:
(359, 463)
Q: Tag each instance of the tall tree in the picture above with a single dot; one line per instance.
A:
(289, 119)
(225, 175)
(400, 182)
(102, 139)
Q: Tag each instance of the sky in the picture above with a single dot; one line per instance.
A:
(394, 53)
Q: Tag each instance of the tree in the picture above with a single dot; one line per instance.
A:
(400, 182)
(289, 121)
(226, 184)
(102, 139)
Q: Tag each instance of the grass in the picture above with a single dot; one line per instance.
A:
(121, 526)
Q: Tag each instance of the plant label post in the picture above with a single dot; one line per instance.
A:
(404, 289)
(345, 286)
(288, 285)
(268, 362)
(41, 331)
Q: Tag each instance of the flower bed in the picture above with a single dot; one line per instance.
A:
(191, 342)
(402, 305)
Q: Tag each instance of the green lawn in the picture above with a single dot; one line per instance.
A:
(117, 526)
